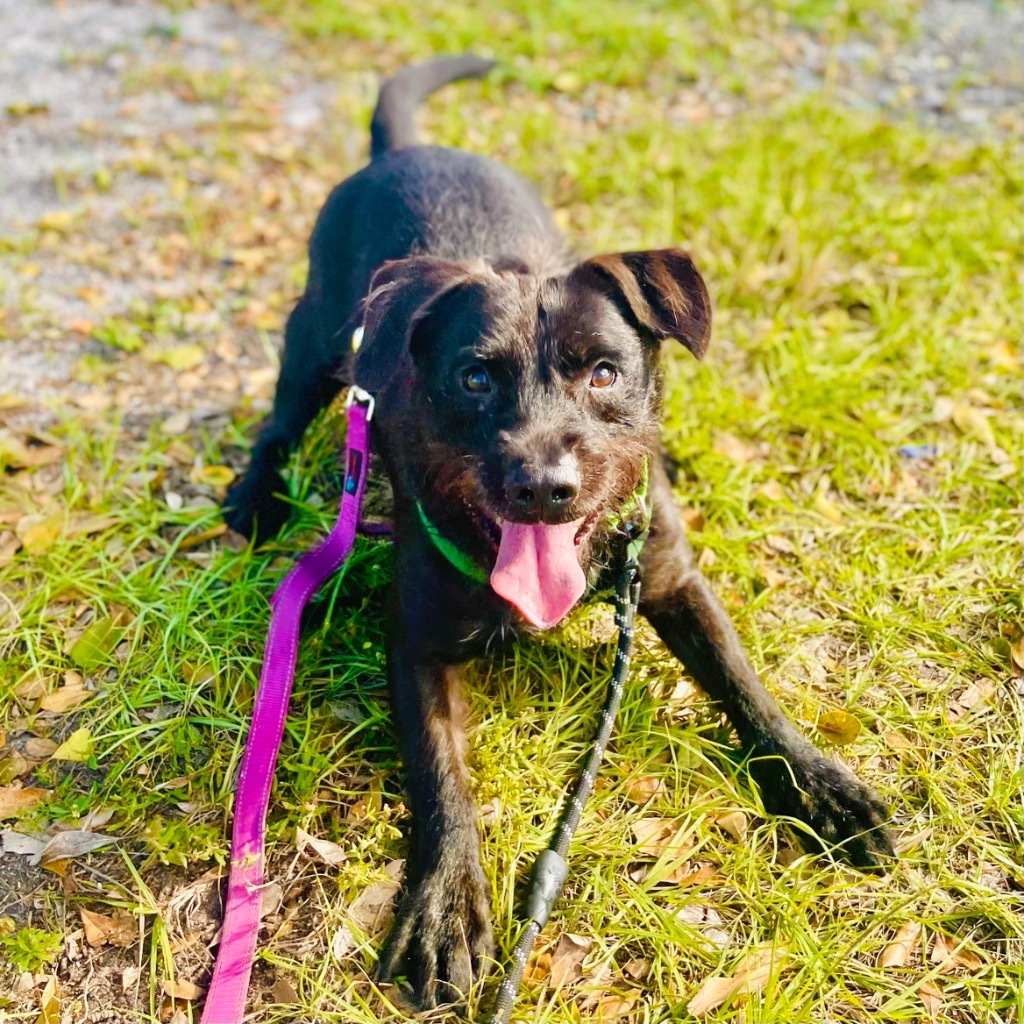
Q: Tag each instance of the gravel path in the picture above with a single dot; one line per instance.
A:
(74, 102)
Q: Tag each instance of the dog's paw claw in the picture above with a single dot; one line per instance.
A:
(841, 811)
(441, 942)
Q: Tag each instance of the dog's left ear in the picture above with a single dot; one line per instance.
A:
(659, 292)
(400, 295)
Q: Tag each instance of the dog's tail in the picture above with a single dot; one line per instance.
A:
(392, 125)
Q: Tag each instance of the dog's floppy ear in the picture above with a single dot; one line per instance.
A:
(400, 295)
(659, 291)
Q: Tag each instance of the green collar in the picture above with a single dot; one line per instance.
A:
(633, 519)
(453, 553)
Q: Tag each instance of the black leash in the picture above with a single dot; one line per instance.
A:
(551, 869)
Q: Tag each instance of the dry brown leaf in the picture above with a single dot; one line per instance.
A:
(931, 998)
(771, 490)
(615, 1005)
(193, 540)
(96, 926)
(17, 800)
(698, 874)
(637, 968)
(734, 448)
(713, 992)
(975, 694)
(538, 969)
(945, 953)
(176, 424)
(897, 741)
(734, 823)
(49, 1003)
(644, 789)
(73, 843)
(567, 959)
(372, 908)
(839, 727)
(656, 836)
(180, 988)
(271, 897)
(283, 991)
(752, 974)
(330, 853)
(343, 942)
(92, 524)
(32, 688)
(896, 953)
(130, 977)
(1017, 652)
(693, 518)
(37, 533)
(21, 844)
(783, 545)
(66, 697)
(12, 767)
(973, 422)
(39, 748)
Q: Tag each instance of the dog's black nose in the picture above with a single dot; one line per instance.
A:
(543, 492)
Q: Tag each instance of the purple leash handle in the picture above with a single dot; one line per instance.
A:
(225, 1000)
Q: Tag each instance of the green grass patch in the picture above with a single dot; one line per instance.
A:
(867, 294)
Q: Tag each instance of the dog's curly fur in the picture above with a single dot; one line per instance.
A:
(452, 265)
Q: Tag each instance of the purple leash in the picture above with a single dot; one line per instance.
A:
(225, 1001)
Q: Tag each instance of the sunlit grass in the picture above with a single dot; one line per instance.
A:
(867, 294)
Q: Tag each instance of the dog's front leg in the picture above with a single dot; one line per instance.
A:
(441, 939)
(795, 778)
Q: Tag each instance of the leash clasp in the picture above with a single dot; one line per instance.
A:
(357, 394)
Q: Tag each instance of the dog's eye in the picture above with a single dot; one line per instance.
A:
(603, 376)
(477, 380)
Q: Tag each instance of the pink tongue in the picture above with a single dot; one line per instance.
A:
(538, 570)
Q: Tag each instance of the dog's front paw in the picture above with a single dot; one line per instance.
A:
(841, 811)
(253, 506)
(441, 941)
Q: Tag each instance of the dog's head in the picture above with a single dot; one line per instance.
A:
(535, 400)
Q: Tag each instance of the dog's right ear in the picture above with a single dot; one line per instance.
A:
(659, 291)
(401, 294)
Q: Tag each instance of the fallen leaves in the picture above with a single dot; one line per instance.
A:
(120, 930)
(96, 645)
(373, 909)
(16, 801)
(644, 789)
(37, 533)
(658, 836)
(567, 959)
(734, 448)
(974, 697)
(65, 697)
(839, 727)
(181, 988)
(945, 952)
(752, 975)
(896, 952)
(734, 823)
(72, 843)
(328, 852)
(77, 747)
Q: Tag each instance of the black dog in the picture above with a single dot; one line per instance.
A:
(518, 396)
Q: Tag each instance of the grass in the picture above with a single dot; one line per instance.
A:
(867, 295)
